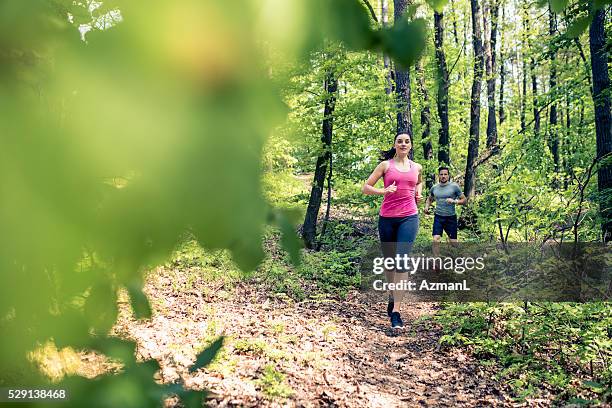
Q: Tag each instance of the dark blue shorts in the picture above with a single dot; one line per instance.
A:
(447, 224)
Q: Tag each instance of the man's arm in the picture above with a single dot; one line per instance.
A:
(462, 198)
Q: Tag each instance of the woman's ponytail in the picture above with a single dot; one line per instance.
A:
(387, 154)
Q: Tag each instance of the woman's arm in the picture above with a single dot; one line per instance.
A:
(369, 189)
(419, 186)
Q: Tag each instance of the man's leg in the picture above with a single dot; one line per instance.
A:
(437, 235)
(450, 227)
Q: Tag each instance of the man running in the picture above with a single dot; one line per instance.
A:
(447, 194)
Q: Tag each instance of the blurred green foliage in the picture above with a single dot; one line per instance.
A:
(124, 124)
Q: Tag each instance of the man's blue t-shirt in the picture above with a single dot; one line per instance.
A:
(443, 191)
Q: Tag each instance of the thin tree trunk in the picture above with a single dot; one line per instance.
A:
(469, 187)
(534, 79)
(581, 117)
(309, 229)
(524, 79)
(601, 100)
(587, 70)
(402, 84)
(329, 197)
(490, 32)
(523, 96)
(425, 120)
(455, 36)
(502, 68)
(567, 153)
(442, 97)
(534, 94)
(386, 60)
(553, 135)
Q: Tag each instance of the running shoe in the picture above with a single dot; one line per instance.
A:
(396, 321)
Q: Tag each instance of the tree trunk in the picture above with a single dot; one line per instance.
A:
(567, 152)
(587, 71)
(425, 121)
(455, 36)
(490, 32)
(601, 100)
(534, 95)
(309, 229)
(524, 80)
(502, 69)
(386, 60)
(469, 187)
(329, 197)
(442, 97)
(553, 135)
(534, 77)
(402, 84)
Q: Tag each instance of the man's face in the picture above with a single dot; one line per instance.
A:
(443, 176)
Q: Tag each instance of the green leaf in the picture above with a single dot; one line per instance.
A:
(578, 26)
(357, 34)
(116, 348)
(405, 41)
(437, 5)
(286, 220)
(139, 302)
(80, 14)
(558, 6)
(192, 398)
(595, 386)
(206, 356)
(101, 307)
(597, 4)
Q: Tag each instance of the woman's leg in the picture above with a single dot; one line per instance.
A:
(406, 235)
(387, 231)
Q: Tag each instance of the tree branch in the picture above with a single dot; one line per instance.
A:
(372, 12)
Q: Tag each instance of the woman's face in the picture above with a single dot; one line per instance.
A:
(402, 144)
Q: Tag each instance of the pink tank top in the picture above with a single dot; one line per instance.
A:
(401, 203)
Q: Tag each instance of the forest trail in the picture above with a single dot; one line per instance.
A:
(314, 353)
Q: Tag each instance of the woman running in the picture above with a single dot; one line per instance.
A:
(399, 217)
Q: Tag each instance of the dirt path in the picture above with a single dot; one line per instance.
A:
(310, 354)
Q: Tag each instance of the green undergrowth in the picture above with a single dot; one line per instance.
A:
(211, 266)
(332, 270)
(565, 348)
(329, 271)
(273, 383)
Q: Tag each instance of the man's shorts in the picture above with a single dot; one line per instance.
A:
(446, 223)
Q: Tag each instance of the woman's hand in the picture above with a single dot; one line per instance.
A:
(391, 188)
